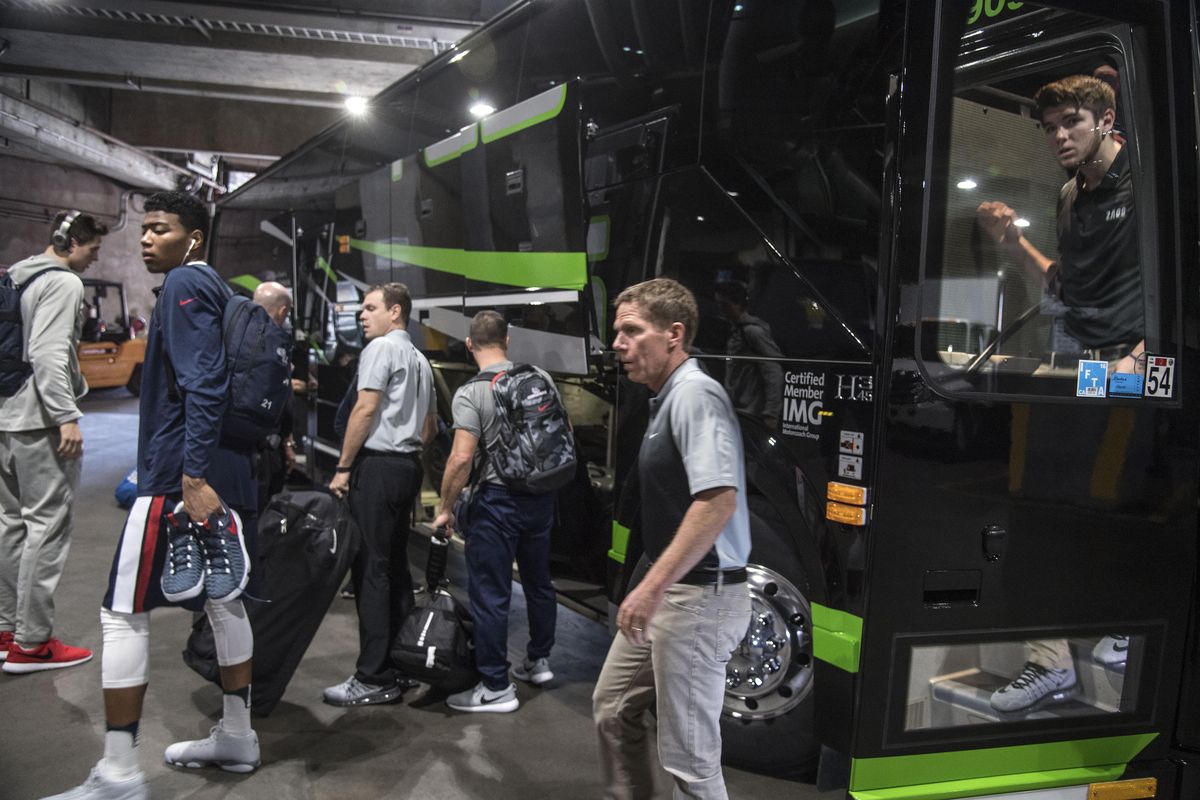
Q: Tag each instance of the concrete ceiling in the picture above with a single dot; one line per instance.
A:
(269, 50)
(163, 67)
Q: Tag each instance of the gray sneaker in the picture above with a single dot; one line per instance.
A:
(534, 672)
(183, 572)
(1111, 651)
(228, 751)
(484, 699)
(1035, 687)
(353, 692)
(98, 787)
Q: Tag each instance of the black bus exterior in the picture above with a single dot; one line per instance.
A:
(932, 485)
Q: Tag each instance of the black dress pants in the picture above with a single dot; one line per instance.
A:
(383, 488)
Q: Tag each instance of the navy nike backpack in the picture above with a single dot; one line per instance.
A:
(260, 373)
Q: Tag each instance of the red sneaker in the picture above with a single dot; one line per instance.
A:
(6, 641)
(51, 655)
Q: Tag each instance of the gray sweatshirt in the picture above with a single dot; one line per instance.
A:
(52, 312)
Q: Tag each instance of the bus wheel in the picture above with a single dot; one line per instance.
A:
(767, 720)
(134, 385)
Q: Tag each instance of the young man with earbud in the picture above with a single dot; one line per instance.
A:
(1098, 280)
(188, 540)
(1096, 276)
(41, 448)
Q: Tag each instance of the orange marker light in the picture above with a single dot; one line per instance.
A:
(847, 515)
(846, 493)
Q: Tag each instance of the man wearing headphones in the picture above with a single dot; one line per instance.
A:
(41, 447)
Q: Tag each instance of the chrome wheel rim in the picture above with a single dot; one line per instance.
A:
(771, 671)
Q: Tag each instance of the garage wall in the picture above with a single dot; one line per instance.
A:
(32, 192)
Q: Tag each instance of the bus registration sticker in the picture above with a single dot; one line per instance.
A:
(1092, 379)
(1160, 376)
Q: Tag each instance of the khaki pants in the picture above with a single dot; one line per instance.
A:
(1050, 653)
(681, 672)
(37, 489)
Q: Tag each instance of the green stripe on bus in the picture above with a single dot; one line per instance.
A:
(837, 637)
(528, 122)
(1002, 784)
(1016, 763)
(328, 270)
(248, 282)
(541, 270)
(620, 542)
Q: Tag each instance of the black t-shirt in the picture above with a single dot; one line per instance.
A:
(1099, 279)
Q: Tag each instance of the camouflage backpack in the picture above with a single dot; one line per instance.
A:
(535, 451)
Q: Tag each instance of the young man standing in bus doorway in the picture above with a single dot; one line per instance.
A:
(504, 524)
(380, 472)
(1098, 279)
(682, 620)
(182, 470)
(41, 448)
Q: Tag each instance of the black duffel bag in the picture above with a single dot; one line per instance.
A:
(306, 542)
(434, 644)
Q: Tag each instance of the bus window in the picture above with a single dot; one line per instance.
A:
(1041, 278)
(979, 683)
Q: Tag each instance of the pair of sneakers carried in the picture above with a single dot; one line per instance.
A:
(231, 752)
(208, 557)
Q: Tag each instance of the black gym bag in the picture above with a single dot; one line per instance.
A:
(306, 543)
(434, 644)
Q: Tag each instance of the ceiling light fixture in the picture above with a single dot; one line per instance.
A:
(356, 105)
(481, 109)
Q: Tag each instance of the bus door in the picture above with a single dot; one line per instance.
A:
(1031, 554)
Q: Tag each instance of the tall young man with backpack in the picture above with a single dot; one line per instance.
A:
(188, 539)
(41, 448)
(517, 414)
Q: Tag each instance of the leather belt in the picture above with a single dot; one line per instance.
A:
(711, 577)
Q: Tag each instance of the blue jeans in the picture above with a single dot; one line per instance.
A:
(505, 525)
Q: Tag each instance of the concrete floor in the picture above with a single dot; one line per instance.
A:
(53, 723)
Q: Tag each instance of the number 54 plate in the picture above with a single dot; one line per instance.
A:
(1160, 376)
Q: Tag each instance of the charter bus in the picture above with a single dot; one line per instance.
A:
(935, 487)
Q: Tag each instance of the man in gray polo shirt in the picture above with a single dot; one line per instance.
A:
(380, 471)
(683, 619)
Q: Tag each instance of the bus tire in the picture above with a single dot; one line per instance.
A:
(769, 727)
(134, 384)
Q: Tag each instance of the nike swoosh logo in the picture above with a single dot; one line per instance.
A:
(543, 408)
(185, 302)
(487, 701)
(46, 656)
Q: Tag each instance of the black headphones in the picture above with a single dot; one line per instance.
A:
(61, 238)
